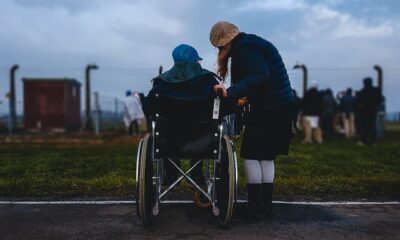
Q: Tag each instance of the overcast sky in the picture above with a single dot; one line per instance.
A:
(340, 41)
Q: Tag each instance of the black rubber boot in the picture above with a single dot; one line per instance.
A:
(253, 202)
(266, 200)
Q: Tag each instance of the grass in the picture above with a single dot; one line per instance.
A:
(58, 171)
(334, 170)
(340, 169)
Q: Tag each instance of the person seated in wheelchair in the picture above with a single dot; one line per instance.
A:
(186, 80)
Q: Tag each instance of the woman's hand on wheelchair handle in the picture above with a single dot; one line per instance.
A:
(218, 88)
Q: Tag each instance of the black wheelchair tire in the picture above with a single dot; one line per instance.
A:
(139, 152)
(146, 199)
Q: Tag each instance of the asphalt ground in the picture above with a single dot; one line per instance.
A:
(185, 221)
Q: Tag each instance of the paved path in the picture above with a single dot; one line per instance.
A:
(184, 221)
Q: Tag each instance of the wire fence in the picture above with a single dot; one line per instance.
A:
(107, 113)
(111, 84)
(5, 120)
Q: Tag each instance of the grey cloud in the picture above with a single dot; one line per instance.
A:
(141, 35)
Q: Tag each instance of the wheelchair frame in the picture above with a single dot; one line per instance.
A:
(148, 205)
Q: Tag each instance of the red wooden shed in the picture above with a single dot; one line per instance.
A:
(52, 104)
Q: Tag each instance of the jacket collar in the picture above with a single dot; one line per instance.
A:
(183, 71)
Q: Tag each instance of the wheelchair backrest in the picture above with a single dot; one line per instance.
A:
(178, 109)
(186, 128)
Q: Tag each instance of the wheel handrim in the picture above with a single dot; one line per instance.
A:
(226, 215)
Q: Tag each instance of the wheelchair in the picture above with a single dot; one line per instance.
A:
(186, 130)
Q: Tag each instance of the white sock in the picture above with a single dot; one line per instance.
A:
(268, 171)
(253, 171)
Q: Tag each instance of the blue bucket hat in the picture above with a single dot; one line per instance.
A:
(184, 52)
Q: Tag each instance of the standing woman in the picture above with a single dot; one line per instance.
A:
(259, 74)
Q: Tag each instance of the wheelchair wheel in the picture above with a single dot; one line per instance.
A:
(146, 187)
(226, 186)
(137, 170)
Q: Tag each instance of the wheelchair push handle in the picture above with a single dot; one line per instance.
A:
(220, 92)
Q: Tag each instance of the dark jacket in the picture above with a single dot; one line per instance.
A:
(258, 73)
(185, 80)
(329, 105)
(369, 99)
(347, 104)
(311, 105)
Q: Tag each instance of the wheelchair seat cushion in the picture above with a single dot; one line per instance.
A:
(187, 139)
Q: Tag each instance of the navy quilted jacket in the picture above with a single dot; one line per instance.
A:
(258, 73)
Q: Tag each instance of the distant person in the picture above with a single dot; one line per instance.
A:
(311, 110)
(296, 107)
(337, 119)
(369, 99)
(136, 94)
(380, 119)
(133, 113)
(141, 97)
(347, 108)
(357, 115)
(259, 74)
(328, 111)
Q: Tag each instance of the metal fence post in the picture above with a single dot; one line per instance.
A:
(380, 76)
(88, 121)
(96, 114)
(12, 101)
(305, 76)
(380, 118)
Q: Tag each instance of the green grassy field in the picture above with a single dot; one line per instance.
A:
(334, 170)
